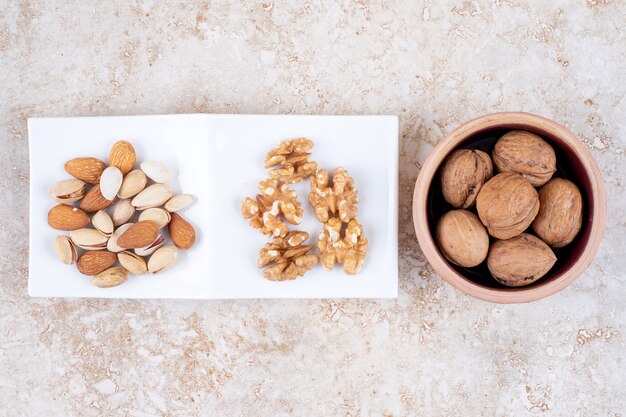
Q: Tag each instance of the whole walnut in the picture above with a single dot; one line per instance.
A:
(507, 204)
(520, 260)
(462, 238)
(526, 154)
(560, 214)
(464, 173)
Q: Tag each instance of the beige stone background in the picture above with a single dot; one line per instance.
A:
(431, 352)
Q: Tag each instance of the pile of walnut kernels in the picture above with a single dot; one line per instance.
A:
(525, 222)
(333, 199)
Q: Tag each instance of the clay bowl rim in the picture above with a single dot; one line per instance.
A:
(508, 120)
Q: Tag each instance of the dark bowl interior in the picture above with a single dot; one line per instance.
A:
(569, 166)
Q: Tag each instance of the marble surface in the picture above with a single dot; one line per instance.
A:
(433, 351)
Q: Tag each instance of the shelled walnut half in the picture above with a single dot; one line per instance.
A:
(275, 202)
(336, 199)
(290, 161)
(348, 250)
(288, 255)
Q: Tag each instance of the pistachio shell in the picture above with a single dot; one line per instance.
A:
(162, 259)
(134, 182)
(110, 182)
(110, 277)
(123, 212)
(156, 171)
(179, 202)
(102, 222)
(153, 196)
(112, 245)
(68, 191)
(151, 248)
(156, 215)
(65, 250)
(89, 239)
(133, 263)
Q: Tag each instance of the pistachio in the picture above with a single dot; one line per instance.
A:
(153, 196)
(162, 259)
(134, 182)
(112, 245)
(123, 212)
(68, 191)
(179, 202)
(110, 277)
(157, 216)
(133, 263)
(110, 182)
(151, 248)
(156, 171)
(89, 239)
(65, 250)
(102, 222)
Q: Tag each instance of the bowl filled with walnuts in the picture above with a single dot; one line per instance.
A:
(509, 207)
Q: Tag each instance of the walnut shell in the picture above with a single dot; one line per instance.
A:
(507, 204)
(462, 238)
(560, 214)
(464, 173)
(520, 260)
(526, 154)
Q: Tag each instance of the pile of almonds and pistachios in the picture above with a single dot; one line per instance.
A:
(526, 211)
(333, 198)
(128, 210)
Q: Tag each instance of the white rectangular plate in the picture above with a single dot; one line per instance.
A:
(219, 159)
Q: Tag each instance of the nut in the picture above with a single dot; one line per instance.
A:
(153, 196)
(122, 212)
(64, 249)
(138, 235)
(134, 182)
(94, 200)
(162, 259)
(520, 260)
(122, 156)
(526, 154)
(507, 204)
(156, 171)
(273, 202)
(112, 245)
(66, 217)
(133, 263)
(179, 202)
(110, 182)
(156, 215)
(152, 247)
(181, 232)
(110, 277)
(68, 191)
(463, 174)
(290, 161)
(103, 223)
(560, 214)
(338, 199)
(348, 250)
(85, 169)
(89, 239)
(462, 238)
(93, 262)
(289, 256)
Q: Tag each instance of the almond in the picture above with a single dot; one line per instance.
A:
(66, 217)
(122, 156)
(138, 235)
(93, 262)
(94, 200)
(85, 169)
(181, 232)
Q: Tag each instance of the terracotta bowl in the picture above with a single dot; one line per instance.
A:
(574, 162)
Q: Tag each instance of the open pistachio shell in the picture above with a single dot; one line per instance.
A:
(134, 183)
(133, 263)
(156, 171)
(68, 191)
(151, 248)
(153, 196)
(179, 202)
(65, 250)
(89, 239)
(156, 215)
(123, 212)
(102, 222)
(162, 259)
(110, 277)
(110, 182)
